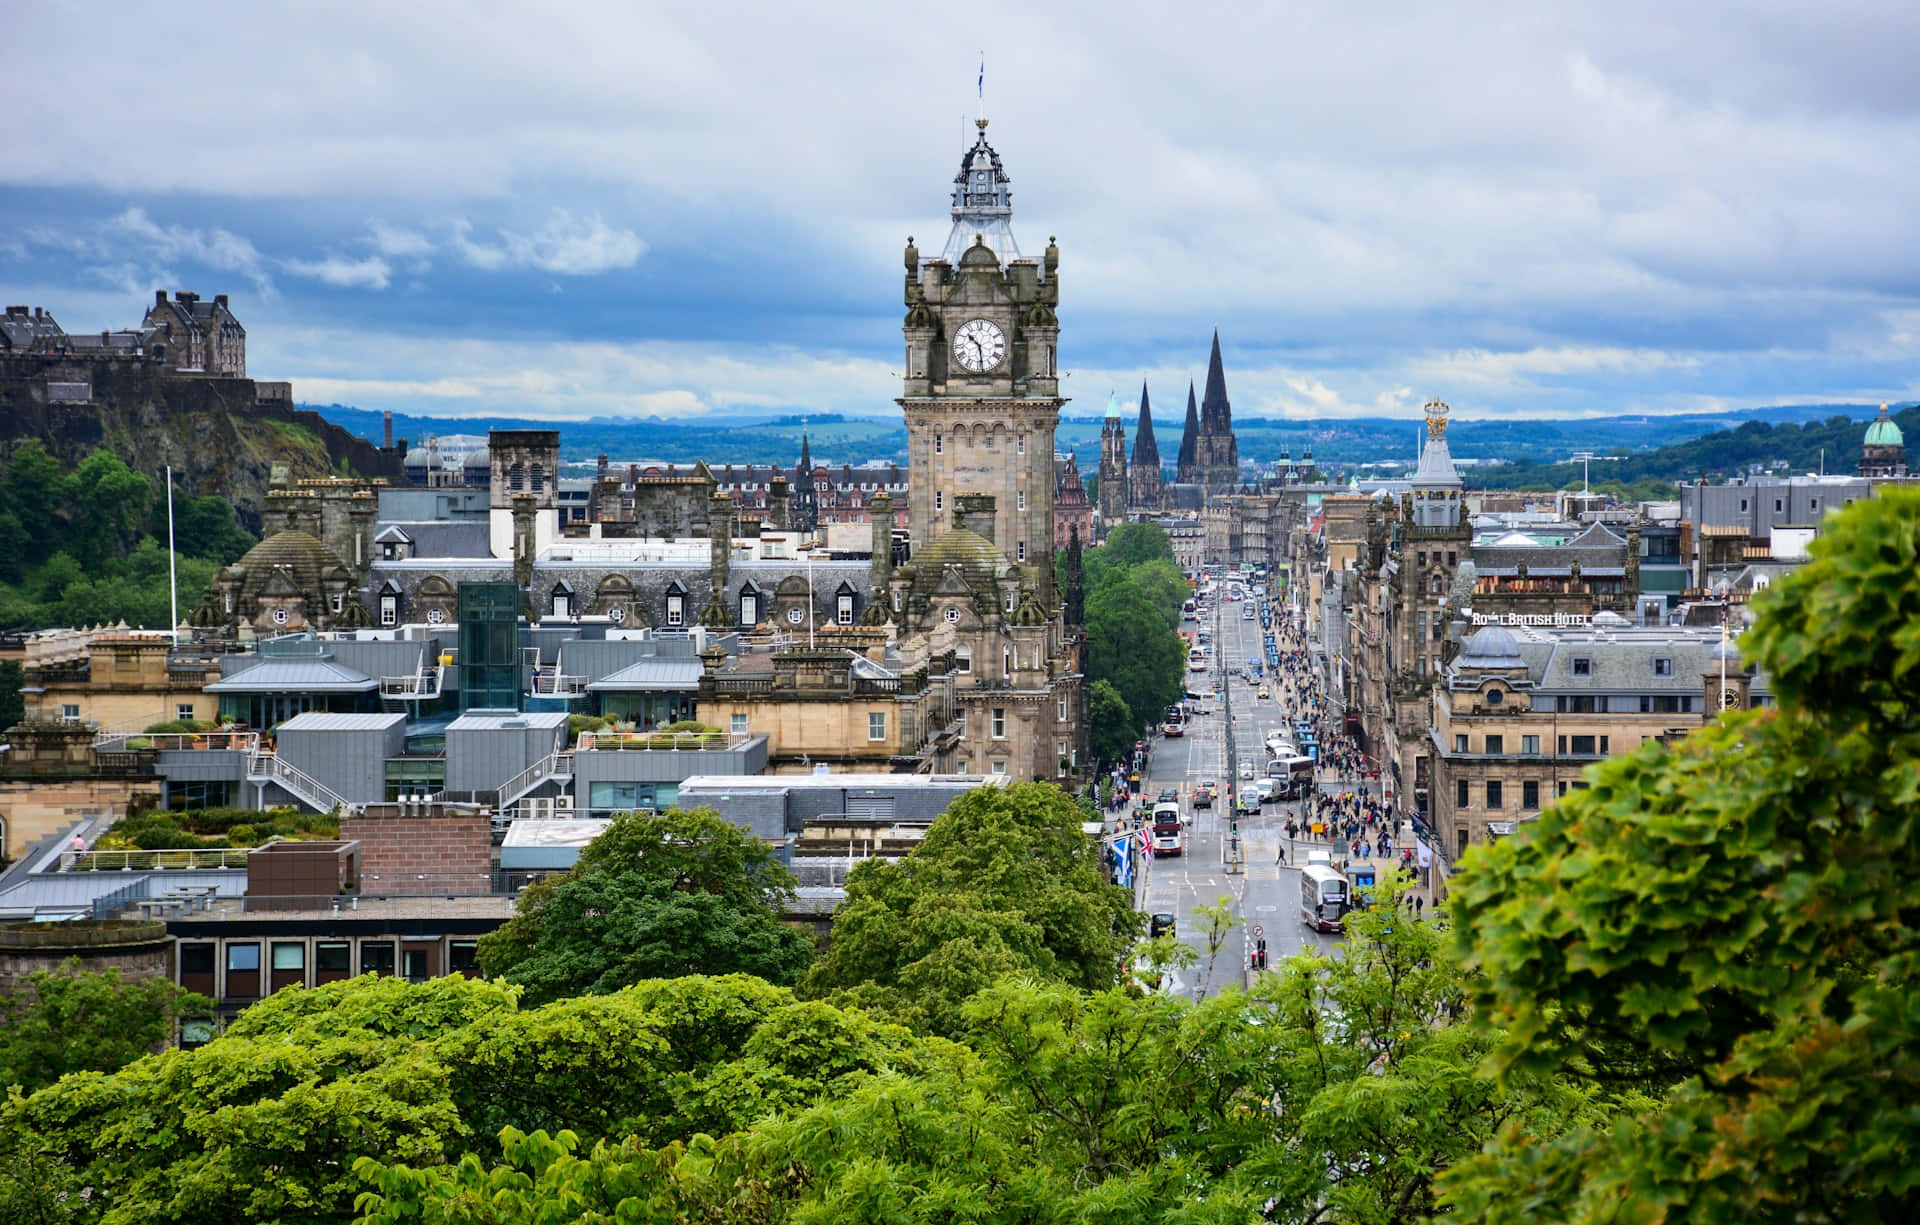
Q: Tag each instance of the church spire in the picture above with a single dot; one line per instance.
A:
(1215, 412)
(1188, 467)
(1146, 452)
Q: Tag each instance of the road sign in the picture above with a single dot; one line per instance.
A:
(1258, 931)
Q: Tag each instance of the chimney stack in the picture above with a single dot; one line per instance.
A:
(386, 418)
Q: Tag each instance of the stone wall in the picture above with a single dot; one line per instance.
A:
(139, 949)
(31, 809)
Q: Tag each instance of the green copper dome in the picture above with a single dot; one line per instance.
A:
(1883, 432)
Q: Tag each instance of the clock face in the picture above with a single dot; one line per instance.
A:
(952, 615)
(796, 616)
(979, 345)
(435, 616)
(1729, 699)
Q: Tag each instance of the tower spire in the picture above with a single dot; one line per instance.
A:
(1188, 467)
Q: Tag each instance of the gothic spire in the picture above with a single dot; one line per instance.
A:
(1190, 440)
(1146, 453)
(1214, 409)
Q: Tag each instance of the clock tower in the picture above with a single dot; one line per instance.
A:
(982, 399)
(982, 387)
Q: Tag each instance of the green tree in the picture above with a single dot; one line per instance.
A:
(1130, 646)
(1130, 544)
(70, 1020)
(110, 501)
(1732, 916)
(1004, 882)
(1112, 730)
(654, 896)
(34, 491)
(202, 527)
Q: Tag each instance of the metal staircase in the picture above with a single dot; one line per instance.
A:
(267, 767)
(554, 767)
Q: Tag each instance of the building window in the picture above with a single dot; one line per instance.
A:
(999, 723)
(1743, 506)
(1459, 742)
(1022, 550)
(738, 725)
(1582, 666)
(243, 958)
(843, 610)
(1813, 504)
(749, 609)
(376, 957)
(1530, 794)
(876, 725)
(939, 500)
(562, 605)
(676, 610)
(1663, 667)
(1582, 745)
(413, 965)
(999, 767)
(1021, 499)
(1022, 447)
(1779, 506)
(1463, 843)
(463, 958)
(183, 710)
(1529, 744)
(69, 712)
(333, 957)
(389, 610)
(1063, 708)
(1603, 745)
(939, 445)
(1494, 799)
(1496, 744)
(1460, 797)
(963, 658)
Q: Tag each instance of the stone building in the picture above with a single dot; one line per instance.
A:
(199, 336)
(288, 582)
(982, 401)
(1523, 711)
(117, 678)
(1115, 497)
(1072, 512)
(1146, 484)
(1209, 453)
(1883, 453)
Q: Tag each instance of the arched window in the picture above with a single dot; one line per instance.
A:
(539, 478)
(516, 478)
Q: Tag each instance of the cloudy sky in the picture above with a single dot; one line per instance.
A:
(581, 209)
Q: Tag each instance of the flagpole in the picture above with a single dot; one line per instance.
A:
(173, 578)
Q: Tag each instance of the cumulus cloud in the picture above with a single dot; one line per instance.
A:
(566, 246)
(369, 273)
(215, 248)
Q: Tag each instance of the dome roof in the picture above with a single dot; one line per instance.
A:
(972, 554)
(1606, 618)
(1492, 646)
(301, 555)
(1884, 433)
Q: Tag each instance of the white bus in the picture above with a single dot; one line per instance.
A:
(1323, 898)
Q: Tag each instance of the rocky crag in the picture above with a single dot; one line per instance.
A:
(221, 435)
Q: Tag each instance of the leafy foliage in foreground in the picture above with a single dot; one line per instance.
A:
(72, 1020)
(1004, 883)
(655, 895)
(1734, 915)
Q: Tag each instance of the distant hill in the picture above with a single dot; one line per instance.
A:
(1531, 445)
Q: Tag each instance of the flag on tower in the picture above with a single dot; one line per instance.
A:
(982, 88)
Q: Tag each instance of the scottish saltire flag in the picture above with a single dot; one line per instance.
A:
(983, 77)
(1123, 863)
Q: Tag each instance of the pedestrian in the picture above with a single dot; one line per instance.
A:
(1419, 906)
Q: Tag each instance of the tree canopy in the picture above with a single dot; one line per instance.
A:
(1134, 596)
(72, 1020)
(1004, 882)
(653, 896)
(1732, 916)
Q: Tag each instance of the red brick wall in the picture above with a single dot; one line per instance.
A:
(452, 854)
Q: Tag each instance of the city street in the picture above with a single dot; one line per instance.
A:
(1267, 894)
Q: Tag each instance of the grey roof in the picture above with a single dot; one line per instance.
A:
(475, 721)
(1492, 646)
(274, 675)
(323, 721)
(653, 676)
(443, 539)
(1436, 468)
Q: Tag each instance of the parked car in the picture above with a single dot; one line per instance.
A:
(1160, 923)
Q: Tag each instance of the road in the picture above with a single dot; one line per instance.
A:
(1266, 893)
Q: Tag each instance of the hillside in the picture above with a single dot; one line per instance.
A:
(220, 437)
